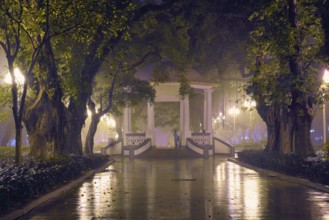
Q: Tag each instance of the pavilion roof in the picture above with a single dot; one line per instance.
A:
(146, 73)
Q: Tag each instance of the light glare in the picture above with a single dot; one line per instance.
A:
(19, 78)
(326, 76)
(234, 111)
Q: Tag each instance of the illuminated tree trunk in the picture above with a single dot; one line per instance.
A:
(91, 134)
(45, 128)
(75, 120)
(278, 122)
(45, 118)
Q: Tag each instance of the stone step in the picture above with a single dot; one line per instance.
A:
(170, 153)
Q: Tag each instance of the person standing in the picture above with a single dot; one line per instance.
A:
(176, 139)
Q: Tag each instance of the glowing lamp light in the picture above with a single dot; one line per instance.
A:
(111, 122)
(234, 111)
(19, 78)
(249, 104)
(326, 76)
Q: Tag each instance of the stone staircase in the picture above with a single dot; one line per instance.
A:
(171, 153)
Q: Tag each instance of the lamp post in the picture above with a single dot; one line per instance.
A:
(249, 105)
(325, 79)
(234, 112)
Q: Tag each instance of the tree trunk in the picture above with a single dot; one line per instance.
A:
(89, 147)
(271, 120)
(302, 145)
(272, 137)
(45, 127)
(288, 133)
(279, 129)
(285, 131)
(18, 154)
(45, 122)
(76, 117)
(300, 100)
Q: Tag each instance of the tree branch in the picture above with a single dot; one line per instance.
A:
(141, 61)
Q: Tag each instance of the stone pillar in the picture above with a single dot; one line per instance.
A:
(181, 117)
(126, 123)
(150, 132)
(185, 120)
(208, 112)
(204, 123)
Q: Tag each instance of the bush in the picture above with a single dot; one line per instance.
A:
(20, 184)
(313, 168)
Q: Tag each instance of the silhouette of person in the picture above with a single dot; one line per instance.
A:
(176, 139)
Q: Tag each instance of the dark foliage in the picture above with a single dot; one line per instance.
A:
(20, 184)
(312, 168)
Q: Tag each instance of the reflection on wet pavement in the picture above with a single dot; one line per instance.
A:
(186, 189)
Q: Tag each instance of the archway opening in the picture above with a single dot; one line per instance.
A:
(167, 119)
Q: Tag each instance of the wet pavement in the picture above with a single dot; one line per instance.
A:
(185, 189)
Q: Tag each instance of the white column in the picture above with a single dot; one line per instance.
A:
(187, 116)
(181, 117)
(126, 123)
(150, 132)
(207, 116)
(205, 111)
(185, 119)
(208, 100)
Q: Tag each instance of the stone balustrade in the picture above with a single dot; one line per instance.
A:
(134, 139)
(201, 138)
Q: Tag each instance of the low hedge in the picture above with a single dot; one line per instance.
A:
(315, 168)
(20, 184)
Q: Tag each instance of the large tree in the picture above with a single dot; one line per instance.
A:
(112, 92)
(71, 62)
(22, 40)
(286, 84)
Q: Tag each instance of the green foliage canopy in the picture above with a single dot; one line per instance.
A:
(274, 41)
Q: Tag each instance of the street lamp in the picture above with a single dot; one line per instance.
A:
(249, 105)
(325, 79)
(234, 112)
(19, 78)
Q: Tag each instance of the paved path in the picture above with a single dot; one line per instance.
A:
(186, 189)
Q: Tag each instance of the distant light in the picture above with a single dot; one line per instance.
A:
(111, 122)
(234, 111)
(249, 104)
(20, 79)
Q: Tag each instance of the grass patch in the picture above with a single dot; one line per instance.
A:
(8, 153)
(250, 146)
